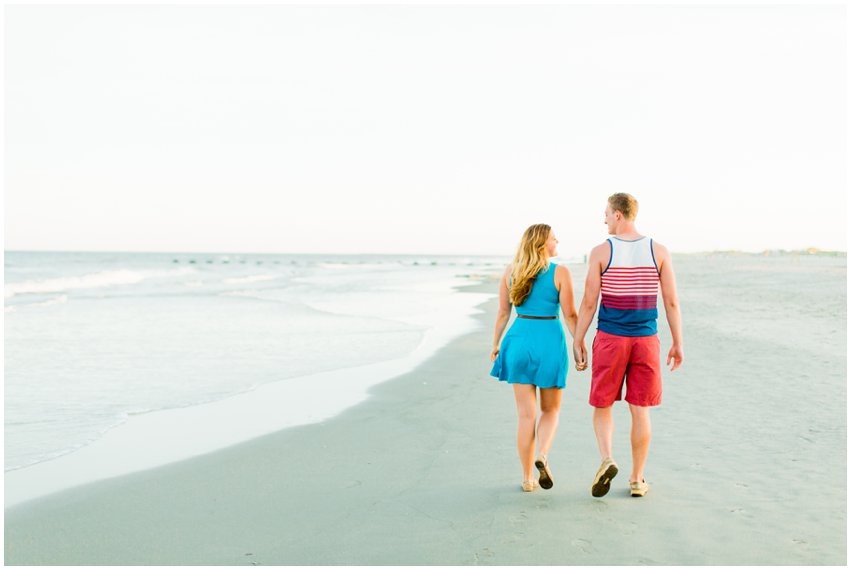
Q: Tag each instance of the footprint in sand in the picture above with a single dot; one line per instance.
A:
(519, 518)
(484, 553)
(583, 545)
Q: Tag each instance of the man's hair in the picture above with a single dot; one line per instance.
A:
(624, 203)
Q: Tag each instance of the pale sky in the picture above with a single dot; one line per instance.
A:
(441, 129)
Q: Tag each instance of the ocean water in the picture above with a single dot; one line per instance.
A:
(93, 339)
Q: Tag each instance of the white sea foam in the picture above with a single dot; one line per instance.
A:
(89, 281)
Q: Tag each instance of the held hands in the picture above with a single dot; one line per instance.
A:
(675, 354)
(580, 354)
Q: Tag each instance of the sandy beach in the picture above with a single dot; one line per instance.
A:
(745, 468)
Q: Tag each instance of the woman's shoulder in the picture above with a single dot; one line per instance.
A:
(561, 271)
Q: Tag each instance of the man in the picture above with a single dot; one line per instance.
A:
(628, 270)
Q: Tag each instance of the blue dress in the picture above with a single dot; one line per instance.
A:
(534, 351)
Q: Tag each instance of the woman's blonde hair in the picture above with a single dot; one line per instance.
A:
(530, 260)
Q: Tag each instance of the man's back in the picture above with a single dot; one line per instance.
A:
(629, 287)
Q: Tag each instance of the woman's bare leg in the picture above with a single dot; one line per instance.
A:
(527, 412)
(550, 406)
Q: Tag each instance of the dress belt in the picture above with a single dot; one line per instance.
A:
(538, 318)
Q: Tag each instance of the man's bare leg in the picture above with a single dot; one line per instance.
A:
(640, 438)
(604, 427)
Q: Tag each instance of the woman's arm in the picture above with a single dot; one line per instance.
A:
(503, 313)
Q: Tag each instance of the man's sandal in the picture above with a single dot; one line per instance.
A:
(637, 489)
(603, 478)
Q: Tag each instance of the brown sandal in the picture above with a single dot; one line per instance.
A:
(603, 478)
(546, 477)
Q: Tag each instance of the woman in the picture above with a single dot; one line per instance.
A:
(533, 354)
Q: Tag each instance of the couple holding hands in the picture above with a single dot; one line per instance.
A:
(625, 272)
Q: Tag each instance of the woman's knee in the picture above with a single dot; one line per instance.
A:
(550, 405)
(550, 410)
(527, 414)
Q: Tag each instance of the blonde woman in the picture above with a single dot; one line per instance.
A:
(533, 355)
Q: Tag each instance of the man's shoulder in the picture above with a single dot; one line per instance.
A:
(601, 253)
(658, 248)
(603, 248)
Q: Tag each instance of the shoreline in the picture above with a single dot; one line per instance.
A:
(424, 472)
(188, 431)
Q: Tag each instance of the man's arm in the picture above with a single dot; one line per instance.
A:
(671, 302)
(503, 313)
(598, 259)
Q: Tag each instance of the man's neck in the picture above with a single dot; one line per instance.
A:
(627, 231)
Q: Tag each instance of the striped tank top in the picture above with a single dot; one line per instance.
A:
(629, 288)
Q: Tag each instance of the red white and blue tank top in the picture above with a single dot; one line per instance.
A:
(629, 289)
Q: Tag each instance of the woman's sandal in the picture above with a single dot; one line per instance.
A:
(546, 477)
(529, 485)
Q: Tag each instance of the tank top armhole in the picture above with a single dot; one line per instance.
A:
(653, 255)
(611, 256)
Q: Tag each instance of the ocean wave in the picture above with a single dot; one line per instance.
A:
(246, 293)
(89, 281)
(54, 301)
(359, 265)
(249, 279)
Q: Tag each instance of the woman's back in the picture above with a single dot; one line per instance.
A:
(543, 299)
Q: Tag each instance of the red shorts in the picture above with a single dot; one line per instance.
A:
(634, 358)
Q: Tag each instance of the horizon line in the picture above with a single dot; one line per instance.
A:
(808, 250)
